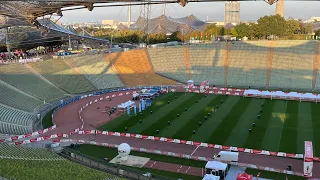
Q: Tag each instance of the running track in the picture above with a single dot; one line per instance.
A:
(67, 119)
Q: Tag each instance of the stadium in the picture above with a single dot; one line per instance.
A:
(231, 109)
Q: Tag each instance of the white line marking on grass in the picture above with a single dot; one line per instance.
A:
(179, 168)
(153, 164)
(194, 150)
(187, 170)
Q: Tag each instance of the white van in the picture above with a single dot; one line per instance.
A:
(227, 156)
(216, 168)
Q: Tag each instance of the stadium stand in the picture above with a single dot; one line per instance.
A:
(22, 78)
(13, 97)
(248, 64)
(13, 121)
(135, 69)
(169, 62)
(63, 76)
(207, 63)
(33, 163)
(10, 151)
(292, 65)
(98, 71)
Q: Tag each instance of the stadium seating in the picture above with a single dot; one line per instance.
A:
(18, 162)
(247, 65)
(15, 152)
(22, 78)
(292, 65)
(135, 69)
(169, 62)
(207, 63)
(98, 71)
(12, 97)
(63, 76)
(16, 122)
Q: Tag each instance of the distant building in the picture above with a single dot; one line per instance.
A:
(217, 23)
(232, 12)
(312, 19)
(110, 24)
(128, 24)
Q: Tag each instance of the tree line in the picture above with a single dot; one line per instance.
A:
(267, 27)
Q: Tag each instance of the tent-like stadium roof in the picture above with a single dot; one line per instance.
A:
(165, 24)
(69, 30)
(27, 35)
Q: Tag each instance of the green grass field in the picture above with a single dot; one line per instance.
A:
(99, 152)
(104, 152)
(282, 126)
(47, 119)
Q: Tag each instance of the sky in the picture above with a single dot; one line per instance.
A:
(249, 11)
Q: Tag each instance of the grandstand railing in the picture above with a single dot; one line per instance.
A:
(116, 169)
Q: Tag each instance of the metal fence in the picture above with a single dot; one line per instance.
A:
(116, 169)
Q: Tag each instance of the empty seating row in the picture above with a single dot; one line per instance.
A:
(169, 62)
(13, 151)
(98, 71)
(63, 76)
(12, 97)
(17, 122)
(18, 162)
(13, 129)
(22, 78)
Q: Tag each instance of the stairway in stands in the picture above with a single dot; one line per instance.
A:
(269, 62)
(227, 49)
(187, 63)
(135, 69)
(316, 59)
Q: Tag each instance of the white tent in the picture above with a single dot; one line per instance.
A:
(309, 96)
(190, 81)
(216, 165)
(290, 95)
(210, 177)
(144, 90)
(126, 104)
(266, 93)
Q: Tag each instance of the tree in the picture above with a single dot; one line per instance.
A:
(317, 33)
(211, 30)
(309, 28)
(176, 36)
(234, 32)
(255, 31)
(242, 30)
(222, 31)
(273, 25)
(293, 26)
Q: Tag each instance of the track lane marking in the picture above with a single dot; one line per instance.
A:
(153, 164)
(187, 170)
(194, 150)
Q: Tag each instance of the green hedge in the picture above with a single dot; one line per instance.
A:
(47, 119)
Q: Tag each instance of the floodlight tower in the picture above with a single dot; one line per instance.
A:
(145, 14)
(129, 15)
